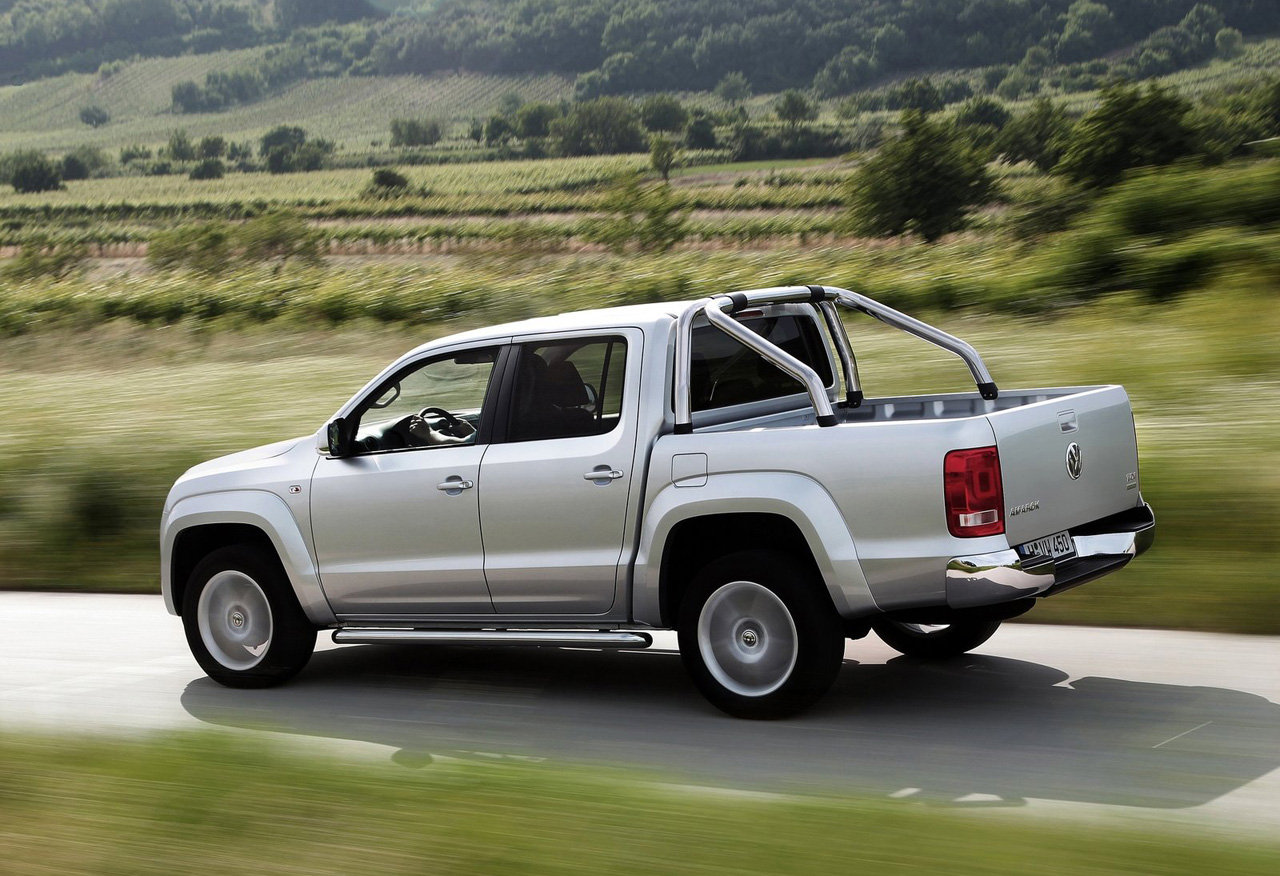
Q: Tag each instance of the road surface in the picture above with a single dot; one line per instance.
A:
(1183, 728)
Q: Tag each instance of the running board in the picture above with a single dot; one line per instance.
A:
(551, 639)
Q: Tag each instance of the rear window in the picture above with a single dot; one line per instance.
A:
(723, 372)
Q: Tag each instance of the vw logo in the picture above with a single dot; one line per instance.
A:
(1074, 465)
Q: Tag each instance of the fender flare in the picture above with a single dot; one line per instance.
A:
(260, 509)
(800, 499)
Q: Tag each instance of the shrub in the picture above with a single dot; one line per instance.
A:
(94, 116)
(39, 257)
(31, 171)
(388, 183)
(415, 132)
(208, 168)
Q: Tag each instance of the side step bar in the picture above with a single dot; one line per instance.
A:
(549, 639)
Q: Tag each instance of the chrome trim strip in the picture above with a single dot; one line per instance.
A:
(554, 639)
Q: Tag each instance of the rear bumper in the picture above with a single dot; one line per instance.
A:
(1102, 547)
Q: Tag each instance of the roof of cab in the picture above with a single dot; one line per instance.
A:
(638, 315)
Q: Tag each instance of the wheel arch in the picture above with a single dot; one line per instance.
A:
(200, 524)
(685, 528)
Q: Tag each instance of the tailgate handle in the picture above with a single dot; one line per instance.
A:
(1067, 421)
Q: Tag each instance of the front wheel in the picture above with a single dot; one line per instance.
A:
(935, 640)
(243, 623)
(759, 636)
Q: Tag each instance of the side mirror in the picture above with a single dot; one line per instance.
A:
(339, 433)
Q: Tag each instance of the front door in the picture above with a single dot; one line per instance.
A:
(397, 524)
(557, 491)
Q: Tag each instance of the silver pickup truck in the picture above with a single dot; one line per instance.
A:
(710, 467)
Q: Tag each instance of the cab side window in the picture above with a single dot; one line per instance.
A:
(723, 372)
(435, 403)
(567, 389)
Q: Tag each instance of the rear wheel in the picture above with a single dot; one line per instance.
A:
(935, 640)
(243, 623)
(759, 636)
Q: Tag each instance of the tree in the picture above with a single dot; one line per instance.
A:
(534, 119)
(733, 89)
(793, 108)
(926, 181)
(983, 111)
(31, 172)
(920, 94)
(212, 147)
(662, 112)
(94, 116)
(498, 130)
(701, 132)
(1038, 135)
(1229, 42)
(475, 131)
(180, 147)
(1131, 128)
(662, 155)
(604, 126)
(288, 137)
(415, 132)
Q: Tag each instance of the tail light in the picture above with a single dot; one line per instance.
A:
(975, 496)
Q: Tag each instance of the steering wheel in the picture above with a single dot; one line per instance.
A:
(440, 412)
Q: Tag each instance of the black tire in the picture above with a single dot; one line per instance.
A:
(759, 635)
(935, 641)
(242, 620)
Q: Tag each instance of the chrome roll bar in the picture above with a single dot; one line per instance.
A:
(719, 311)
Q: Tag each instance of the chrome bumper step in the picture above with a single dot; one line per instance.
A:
(534, 638)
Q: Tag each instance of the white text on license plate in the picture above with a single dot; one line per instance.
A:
(1059, 546)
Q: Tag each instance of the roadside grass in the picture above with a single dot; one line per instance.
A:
(102, 418)
(205, 802)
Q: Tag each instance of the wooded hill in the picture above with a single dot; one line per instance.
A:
(623, 46)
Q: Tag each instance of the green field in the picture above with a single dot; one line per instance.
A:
(353, 112)
(205, 803)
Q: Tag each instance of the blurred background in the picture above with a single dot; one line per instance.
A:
(219, 218)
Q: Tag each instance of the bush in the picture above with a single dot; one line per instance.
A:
(650, 218)
(72, 168)
(388, 183)
(30, 172)
(94, 116)
(39, 257)
(208, 168)
(925, 181)
(415, 132)
(180, 147)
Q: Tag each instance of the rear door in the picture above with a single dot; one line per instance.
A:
(1066, 461)
(559, 487)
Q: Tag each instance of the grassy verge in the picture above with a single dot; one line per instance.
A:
(208, 803)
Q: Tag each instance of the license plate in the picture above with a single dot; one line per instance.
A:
(1059, 546)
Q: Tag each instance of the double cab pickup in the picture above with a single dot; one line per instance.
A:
(710, 467)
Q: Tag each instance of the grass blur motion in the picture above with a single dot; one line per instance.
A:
(207, 802)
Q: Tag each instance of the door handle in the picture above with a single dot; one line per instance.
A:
(455, 484)
(602, 475)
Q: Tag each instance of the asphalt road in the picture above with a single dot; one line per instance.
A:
(1059, 721)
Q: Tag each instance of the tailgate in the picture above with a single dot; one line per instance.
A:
(1066, 461)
